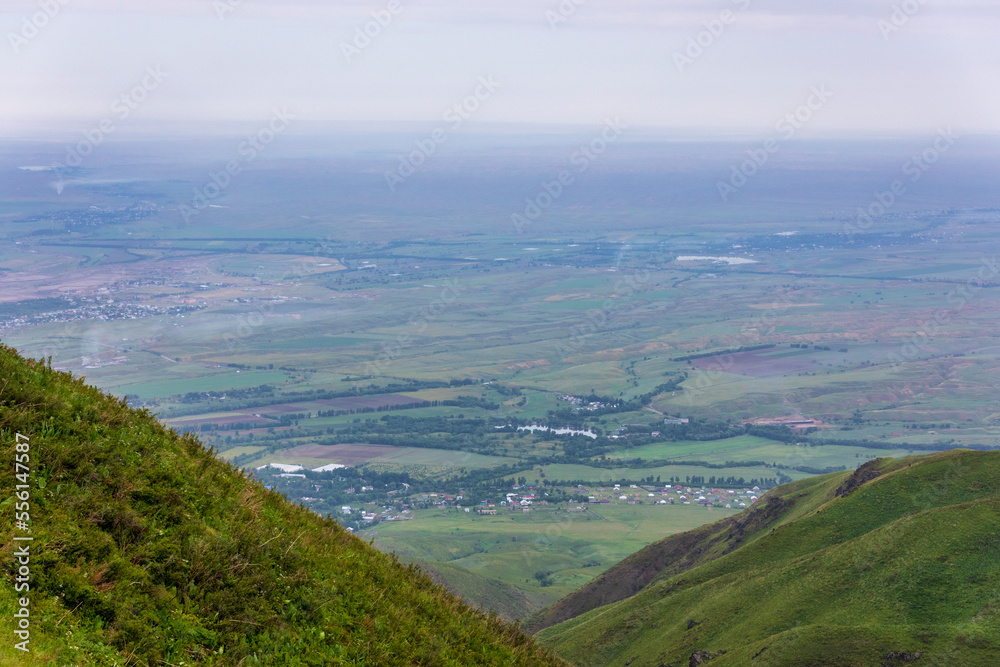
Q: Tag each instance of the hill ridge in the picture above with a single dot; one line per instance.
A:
(908, 562)
(149, 550)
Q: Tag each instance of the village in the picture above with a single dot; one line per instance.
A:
(636, 494)
(527, 498)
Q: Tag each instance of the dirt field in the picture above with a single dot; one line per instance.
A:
(345, 454)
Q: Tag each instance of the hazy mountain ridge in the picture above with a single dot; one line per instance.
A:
(865, 573)
(149, 550)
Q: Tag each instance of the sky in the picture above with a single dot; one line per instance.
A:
(707, 68)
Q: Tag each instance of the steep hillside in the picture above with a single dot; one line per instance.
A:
(683, 551)
(896, 562)
(484, 592)
(147, 550)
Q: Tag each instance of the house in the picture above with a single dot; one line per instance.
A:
(486, 512)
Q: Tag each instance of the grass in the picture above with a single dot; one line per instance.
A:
(907, 562)
(694, 449)
(572, 472)
(150, 550)
(502, 553)
(753, 448)
(223, 382)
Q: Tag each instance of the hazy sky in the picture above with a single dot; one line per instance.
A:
(573, 63)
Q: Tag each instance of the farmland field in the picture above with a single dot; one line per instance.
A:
(573, 547)
(312, 319)
(381, 457)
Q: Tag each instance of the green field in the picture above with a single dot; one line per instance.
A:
(573, 547)
(699, 450)
(908, 557)
(754, 448)
(589, 309)
(572, 472)
(222, 382)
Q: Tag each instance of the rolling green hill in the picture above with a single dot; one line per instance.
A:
(896, 562)
(484, 592)
(148, 550)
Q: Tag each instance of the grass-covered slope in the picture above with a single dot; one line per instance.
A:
(482, 591)
(867, 568)
(150, 551)
(683, 551)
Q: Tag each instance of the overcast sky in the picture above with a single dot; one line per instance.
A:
(555, 63)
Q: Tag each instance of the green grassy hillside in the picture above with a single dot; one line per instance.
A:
(148, 550)
(484, 592)
(867, 568)
(679, 553)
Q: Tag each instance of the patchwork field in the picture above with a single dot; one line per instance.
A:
(778, 361)
(378, 457)
(346, 454)
(418, 324)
